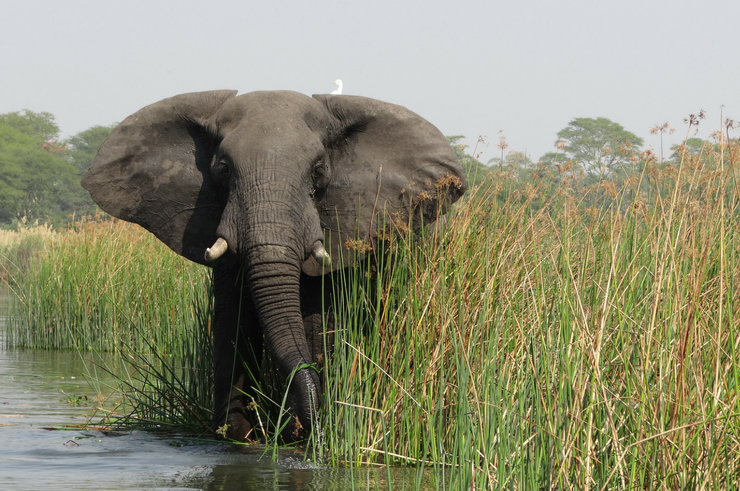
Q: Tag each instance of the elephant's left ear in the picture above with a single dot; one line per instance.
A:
(387, 164)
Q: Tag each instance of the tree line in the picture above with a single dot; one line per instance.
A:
(593, 159)
(40, 174)
(595, 146)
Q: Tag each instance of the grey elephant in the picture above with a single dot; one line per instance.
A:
(268, 188)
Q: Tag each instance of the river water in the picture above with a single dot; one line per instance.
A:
(39, 390)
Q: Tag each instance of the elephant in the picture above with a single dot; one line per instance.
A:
(270, 189)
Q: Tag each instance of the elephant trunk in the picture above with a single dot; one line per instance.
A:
(272, 244)
(274, 281)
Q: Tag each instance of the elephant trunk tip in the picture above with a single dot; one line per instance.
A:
(216, 250)
(320, 255)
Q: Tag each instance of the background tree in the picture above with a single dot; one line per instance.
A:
(557, 164)
(42, 126)
(39, 178)
(598, 145)
(517, 163)
(690, 148)
(34, 183)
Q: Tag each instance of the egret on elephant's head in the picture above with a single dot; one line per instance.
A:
(338, 83)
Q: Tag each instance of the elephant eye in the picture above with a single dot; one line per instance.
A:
(320, 173)
(224, 169)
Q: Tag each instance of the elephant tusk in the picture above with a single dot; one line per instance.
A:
(216, 250)
(321, 256)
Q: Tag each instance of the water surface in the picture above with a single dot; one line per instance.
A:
(46, 389)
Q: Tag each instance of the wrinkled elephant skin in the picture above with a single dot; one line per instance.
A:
(267, 188)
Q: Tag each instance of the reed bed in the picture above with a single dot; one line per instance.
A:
(552, 336)
(563, 347)
(21, 247)
(91, 286)
(106, 286)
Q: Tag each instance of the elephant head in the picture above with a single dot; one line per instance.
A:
(281, 182)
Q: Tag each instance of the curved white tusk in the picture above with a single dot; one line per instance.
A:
(216, 250)
(321, 256)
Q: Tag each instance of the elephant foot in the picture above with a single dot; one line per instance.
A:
(294, 431)
(236, 428)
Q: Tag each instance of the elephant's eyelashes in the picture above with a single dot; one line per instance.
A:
(320, 174)
(221, 173)
(224, 170)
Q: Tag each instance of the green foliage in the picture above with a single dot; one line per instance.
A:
(93, 284)
(107, 286)
(598, 145)
(40, 177)
(514, 160)
(84, 146)
(35, 182)
(41, 127)
(693, 148)
(566, 348)
(517, 165)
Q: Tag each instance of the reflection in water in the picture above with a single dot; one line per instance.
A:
(41, 389)
(286, 477)
(228, 478)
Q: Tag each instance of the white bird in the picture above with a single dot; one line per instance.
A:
(338, 83)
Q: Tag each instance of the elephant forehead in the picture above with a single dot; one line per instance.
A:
(280, 123)
(267, 106)
(287, 141)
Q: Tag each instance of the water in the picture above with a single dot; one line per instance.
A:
(39, 391)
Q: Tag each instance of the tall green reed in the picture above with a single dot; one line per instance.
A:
(583, 337)
(96, 282)
(552, 347)
(148, 388)
(105, 287)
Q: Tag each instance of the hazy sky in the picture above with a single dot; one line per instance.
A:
(470, 67)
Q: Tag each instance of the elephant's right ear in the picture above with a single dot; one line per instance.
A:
(154, 170)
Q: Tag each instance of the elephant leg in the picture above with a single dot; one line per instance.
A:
(237, 352)
(316, 304)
